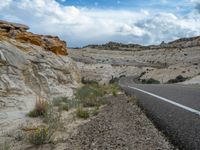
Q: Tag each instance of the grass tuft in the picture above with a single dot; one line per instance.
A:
(82, 113)
(40, 108)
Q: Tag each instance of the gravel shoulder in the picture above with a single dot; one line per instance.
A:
(120, 125)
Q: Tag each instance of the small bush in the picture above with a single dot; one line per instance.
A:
(40, 108)
(150, 81)
(115, 89)
(52, 118)
(84, 81)
(89, 90)
(64, 102)
(89, 95)
(82, 113)
(63, 106)
(114, 93)
(39, 136)
(179, 78)
(57, 100)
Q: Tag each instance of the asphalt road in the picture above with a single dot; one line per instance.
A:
(174, 109)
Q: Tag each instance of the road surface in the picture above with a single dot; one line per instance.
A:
(175, 109)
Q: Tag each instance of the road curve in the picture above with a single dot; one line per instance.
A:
(175, 109)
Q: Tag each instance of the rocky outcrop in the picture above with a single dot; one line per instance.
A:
(31, 65)
(18, 32)
(28, 66)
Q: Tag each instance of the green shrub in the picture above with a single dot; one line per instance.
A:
(90, 95)
(63, 106)
(39, 136)
(89, 90)
(114, 93)
(150, 81)
(84, 81)
(82, 113)
(114, 89)
(65, 103)
(57, 100)
(40, 108)
(179, 78)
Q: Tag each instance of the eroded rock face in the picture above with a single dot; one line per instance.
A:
(31, 65)
(18, 32)
(28, 64)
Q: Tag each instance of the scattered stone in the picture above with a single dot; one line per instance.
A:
(119, 125)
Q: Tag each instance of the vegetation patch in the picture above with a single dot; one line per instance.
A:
(82, 113)
(150, 81)
(179, 78)
(86, 81)
(40, 136)
(64, 103)
(40, 109)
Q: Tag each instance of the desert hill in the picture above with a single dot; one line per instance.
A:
(161, 62)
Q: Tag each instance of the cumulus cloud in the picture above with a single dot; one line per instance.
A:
(80, 26)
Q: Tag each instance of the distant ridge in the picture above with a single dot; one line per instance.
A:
(180, 43)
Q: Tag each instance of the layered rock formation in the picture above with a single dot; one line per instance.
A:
(18, 32)
(31, 65)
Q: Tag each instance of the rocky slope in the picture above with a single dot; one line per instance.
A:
(161, 62)
(31, 65)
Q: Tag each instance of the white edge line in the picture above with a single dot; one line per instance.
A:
(168, 101)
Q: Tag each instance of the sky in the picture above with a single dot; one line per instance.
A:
(83, 22)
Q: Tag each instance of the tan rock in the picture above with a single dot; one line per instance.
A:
(18, 32)
(30, 66)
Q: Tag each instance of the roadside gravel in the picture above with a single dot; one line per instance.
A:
(121, 125)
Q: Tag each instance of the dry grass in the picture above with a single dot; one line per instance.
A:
(82, 113)
(40, 109)
(40, 136)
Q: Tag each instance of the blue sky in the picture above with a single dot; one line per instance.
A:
(158, 5)
(82, 22)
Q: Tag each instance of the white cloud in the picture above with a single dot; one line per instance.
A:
(4, 3)
(80, 26)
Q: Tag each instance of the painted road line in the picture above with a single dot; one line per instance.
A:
(168, 101)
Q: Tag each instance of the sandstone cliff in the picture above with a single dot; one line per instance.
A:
(31, 65)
